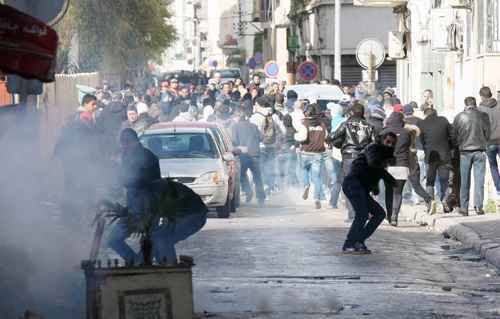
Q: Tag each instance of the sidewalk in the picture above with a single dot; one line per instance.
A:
(479, 232)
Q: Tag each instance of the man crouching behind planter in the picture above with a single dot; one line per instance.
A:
(160, 211)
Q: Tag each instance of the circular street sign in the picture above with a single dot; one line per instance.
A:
(308, 70)
(252, 64)
(272, 69)
(50, 11)
(370, 53)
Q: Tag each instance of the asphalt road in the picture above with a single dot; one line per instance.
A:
(284, 261)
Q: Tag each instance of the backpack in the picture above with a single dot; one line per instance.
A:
(269, 131)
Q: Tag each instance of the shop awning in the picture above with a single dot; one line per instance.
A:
(28, 47)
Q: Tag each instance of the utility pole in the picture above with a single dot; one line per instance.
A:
(197, 36)
(338, 49)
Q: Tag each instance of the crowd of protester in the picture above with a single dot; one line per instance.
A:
(285, 141)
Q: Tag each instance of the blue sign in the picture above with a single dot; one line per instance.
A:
(308, 70)
(272, 69)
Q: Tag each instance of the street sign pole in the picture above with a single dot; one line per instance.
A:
(338, 49)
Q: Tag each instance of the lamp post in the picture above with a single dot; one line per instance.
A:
(338, 49)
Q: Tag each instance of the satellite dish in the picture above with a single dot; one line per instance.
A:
(47, 11)
(370, 53)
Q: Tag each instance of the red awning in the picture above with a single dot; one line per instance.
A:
(28, 47)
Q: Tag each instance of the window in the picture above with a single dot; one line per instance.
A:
(493, 26)
(180, 145)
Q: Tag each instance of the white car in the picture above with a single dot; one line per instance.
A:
(196, 155)
(226, 75)
(317, 93)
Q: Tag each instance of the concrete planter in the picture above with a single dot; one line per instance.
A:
(126, 292)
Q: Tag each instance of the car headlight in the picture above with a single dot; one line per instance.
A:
(209, 178)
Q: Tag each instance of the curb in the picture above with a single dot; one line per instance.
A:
(451, 225)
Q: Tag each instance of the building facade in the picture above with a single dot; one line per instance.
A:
(315, 27)
(451, 47)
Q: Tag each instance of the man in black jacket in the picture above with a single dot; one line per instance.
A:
(436, 135)
(366, 172)
(352, 136)
(140, 168)
(472, 132)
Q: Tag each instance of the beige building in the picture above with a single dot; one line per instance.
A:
(451, 47)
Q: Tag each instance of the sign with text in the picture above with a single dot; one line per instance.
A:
(28, 47)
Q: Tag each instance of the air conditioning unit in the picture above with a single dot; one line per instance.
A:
(441, 20)
(460, 4)
(396, 45)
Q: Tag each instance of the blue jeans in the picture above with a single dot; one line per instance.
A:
(251, 163)
(337, 176)
(269, 168)
(469, 160)
(116, 241)
(289, 164)
(165, 238)
(493, 151)
(312, 165)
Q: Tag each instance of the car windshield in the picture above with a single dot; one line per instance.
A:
(181, 145)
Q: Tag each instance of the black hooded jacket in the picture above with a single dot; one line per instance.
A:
(369, 167)
(395, 124)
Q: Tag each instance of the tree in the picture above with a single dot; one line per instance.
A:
(124, 34)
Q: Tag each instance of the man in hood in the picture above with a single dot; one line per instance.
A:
(489, 106)
(368, 169)
(139, 169)
(109, 122)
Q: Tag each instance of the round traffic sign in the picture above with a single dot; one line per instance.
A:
(370, 53)
(50, 12)
(272, 69)
(308, 70)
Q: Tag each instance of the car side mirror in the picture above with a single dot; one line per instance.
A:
(228, 157)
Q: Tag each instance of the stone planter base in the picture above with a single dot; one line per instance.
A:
(114, 292)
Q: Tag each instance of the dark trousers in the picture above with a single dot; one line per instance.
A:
(363, 204)
(252, 163)
(346, 168)
(439, 170)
